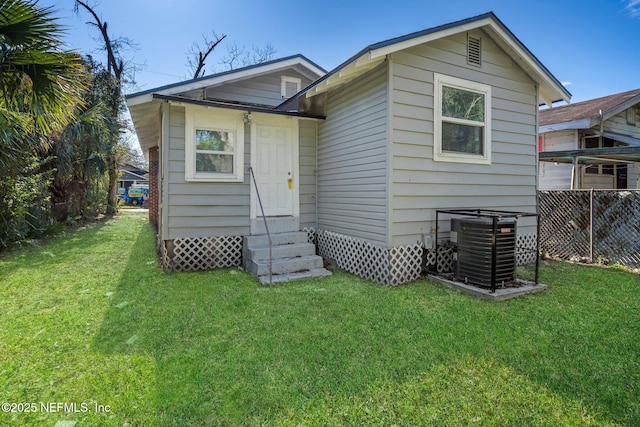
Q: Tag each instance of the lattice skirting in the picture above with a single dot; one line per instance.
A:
(526, 247)
(445, 259)
(201, 253)
(312, 236)
(389, 266)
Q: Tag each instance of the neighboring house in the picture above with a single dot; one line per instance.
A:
(591, 144)
(131, 175)
(363, 156)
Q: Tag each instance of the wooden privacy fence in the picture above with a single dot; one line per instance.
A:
(591, 225)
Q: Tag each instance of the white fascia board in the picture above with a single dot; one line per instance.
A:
(542, 77)
(311, 67)
(142, 99)
(576, 124)
(386, 50)
(239, 75)
(621, 107)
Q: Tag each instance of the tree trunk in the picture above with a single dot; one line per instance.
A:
(112, 196)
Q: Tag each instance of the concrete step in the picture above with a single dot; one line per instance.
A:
(277, 224)
(290, 250)
(284, 265)
(278, 278)
(262, 240)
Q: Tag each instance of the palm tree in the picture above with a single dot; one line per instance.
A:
(39, 81)
(81, 151)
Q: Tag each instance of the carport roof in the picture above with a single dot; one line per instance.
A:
(593, 156)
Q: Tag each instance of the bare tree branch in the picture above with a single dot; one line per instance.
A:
(197, 55)
(116, 65)
(242, 57)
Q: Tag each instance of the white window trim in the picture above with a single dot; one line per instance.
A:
(439, 155)
(213, 119)
(283, 85)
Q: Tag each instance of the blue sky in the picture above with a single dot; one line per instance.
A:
(591, 45)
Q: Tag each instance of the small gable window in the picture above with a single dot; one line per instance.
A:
(462, 128)
(290, 86)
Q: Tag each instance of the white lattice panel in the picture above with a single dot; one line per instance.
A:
(526, 248)
(387, 266)
(445, 259)
(205, 253)
(311, 234)
(163, 254)
(405, 263)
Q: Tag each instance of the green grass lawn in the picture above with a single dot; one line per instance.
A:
(90, 319)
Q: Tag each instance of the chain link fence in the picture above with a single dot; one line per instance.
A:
(591, 225)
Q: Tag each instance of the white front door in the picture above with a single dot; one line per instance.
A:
(274, 170)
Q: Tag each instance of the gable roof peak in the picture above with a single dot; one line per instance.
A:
(229, 74)
(551, 90)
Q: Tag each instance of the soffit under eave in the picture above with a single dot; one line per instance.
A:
(345, 74)
(147, 122)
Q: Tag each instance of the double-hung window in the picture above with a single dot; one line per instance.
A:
(214, 151)
(462, 113)
(214, 141)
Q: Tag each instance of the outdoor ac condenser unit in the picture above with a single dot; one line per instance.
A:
(472, 240)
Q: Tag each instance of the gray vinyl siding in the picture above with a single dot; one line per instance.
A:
(202, 209)
(352, 159)
(265, 89)
(419, 185)
(307, 149)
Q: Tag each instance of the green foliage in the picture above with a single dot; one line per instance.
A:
(59, 126)
(38, 80)
(462, 104)
(25, 203)
(92, 318)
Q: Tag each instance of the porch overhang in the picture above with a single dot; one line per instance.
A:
(593, 156)
(249, 108)
(147, 116)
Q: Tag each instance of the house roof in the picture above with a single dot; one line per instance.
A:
(551, 90)
(586, 114)
(228, 76)
(132, 176)
(145, 106)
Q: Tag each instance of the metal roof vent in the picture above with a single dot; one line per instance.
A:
(474, 50)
